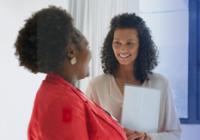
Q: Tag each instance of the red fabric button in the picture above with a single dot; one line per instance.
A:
(67, 115)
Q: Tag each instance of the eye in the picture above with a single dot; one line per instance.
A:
(130, 43)
(117, 42)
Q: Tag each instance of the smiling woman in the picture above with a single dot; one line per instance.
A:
(129, 56)
(125, 47)
(131, 30)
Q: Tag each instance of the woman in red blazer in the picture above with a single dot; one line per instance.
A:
(49, 43)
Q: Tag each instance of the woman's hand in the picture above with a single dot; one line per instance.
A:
(130, 132)
(135, 135)
(147, 137)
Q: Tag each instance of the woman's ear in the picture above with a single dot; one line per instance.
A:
(70, 51)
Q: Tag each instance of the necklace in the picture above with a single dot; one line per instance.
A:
(117, 76)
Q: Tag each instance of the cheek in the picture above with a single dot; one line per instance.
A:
(134, 49)
(90, 55)
(135, 53)
(114, 49)
(137, 49)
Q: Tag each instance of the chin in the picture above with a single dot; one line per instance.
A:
(125, 63)
(88, 74)
(84, 75)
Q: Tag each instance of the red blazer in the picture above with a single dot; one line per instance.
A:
(62, 112)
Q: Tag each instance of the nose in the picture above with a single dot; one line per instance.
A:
(123, 48)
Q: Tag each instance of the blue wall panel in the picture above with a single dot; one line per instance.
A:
(194, 64)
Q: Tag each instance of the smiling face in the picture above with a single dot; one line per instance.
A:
(125, 45)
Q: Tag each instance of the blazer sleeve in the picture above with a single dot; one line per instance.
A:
(172, 128)
(65, 119)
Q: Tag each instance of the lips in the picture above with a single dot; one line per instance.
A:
(124, 56)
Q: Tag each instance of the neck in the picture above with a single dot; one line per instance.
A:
(67, 73)
(126, 71)
(68, 78)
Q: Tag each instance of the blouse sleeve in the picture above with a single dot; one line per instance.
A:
(171, 129)
(65, 119)
(89, 91)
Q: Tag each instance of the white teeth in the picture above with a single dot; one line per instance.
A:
(124, 55)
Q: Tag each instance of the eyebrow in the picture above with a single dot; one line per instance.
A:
(127, 40)
(130, 40)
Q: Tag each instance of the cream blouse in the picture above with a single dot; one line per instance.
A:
(105, 92)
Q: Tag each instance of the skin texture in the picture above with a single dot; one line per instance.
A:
(72, 73)
(125, 43)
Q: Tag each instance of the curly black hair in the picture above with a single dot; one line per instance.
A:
(147, 58)
(42, 42)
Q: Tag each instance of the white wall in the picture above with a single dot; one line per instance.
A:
(18, 86)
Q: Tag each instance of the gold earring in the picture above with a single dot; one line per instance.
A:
(73, 61)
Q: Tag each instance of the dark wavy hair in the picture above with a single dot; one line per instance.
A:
(147, 58)
(42, 42)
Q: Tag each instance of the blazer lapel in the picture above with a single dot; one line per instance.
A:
(95, 108)
(99, 111)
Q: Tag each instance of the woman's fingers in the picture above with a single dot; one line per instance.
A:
(137, 131)
(147, 137)
(132, 135)
(129, 132)
(143, 136)
(135, 136)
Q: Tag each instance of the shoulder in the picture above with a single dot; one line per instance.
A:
(158, 80)
(101, 79)
(57, 95)
(67, 101)
(158, 77)
(98, 85)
